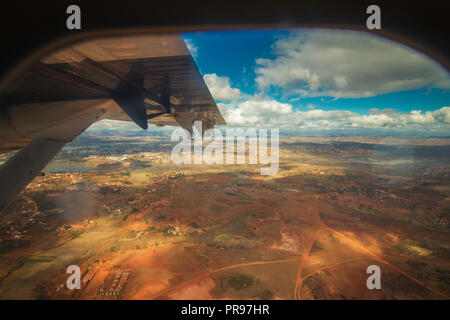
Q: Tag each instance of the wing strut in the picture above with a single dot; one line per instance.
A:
(18, 171)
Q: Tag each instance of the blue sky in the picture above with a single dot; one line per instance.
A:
(233, 53)
(323, 79)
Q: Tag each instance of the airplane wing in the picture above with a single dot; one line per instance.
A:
(144, 79)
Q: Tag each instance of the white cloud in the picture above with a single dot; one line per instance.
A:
(351, 64)
(443, 115)
(220, 87)
(262, 111)
(193, 49)
(256, 111)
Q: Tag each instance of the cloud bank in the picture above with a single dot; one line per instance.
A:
(337, 63)
(269, 113)
(220, 87)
